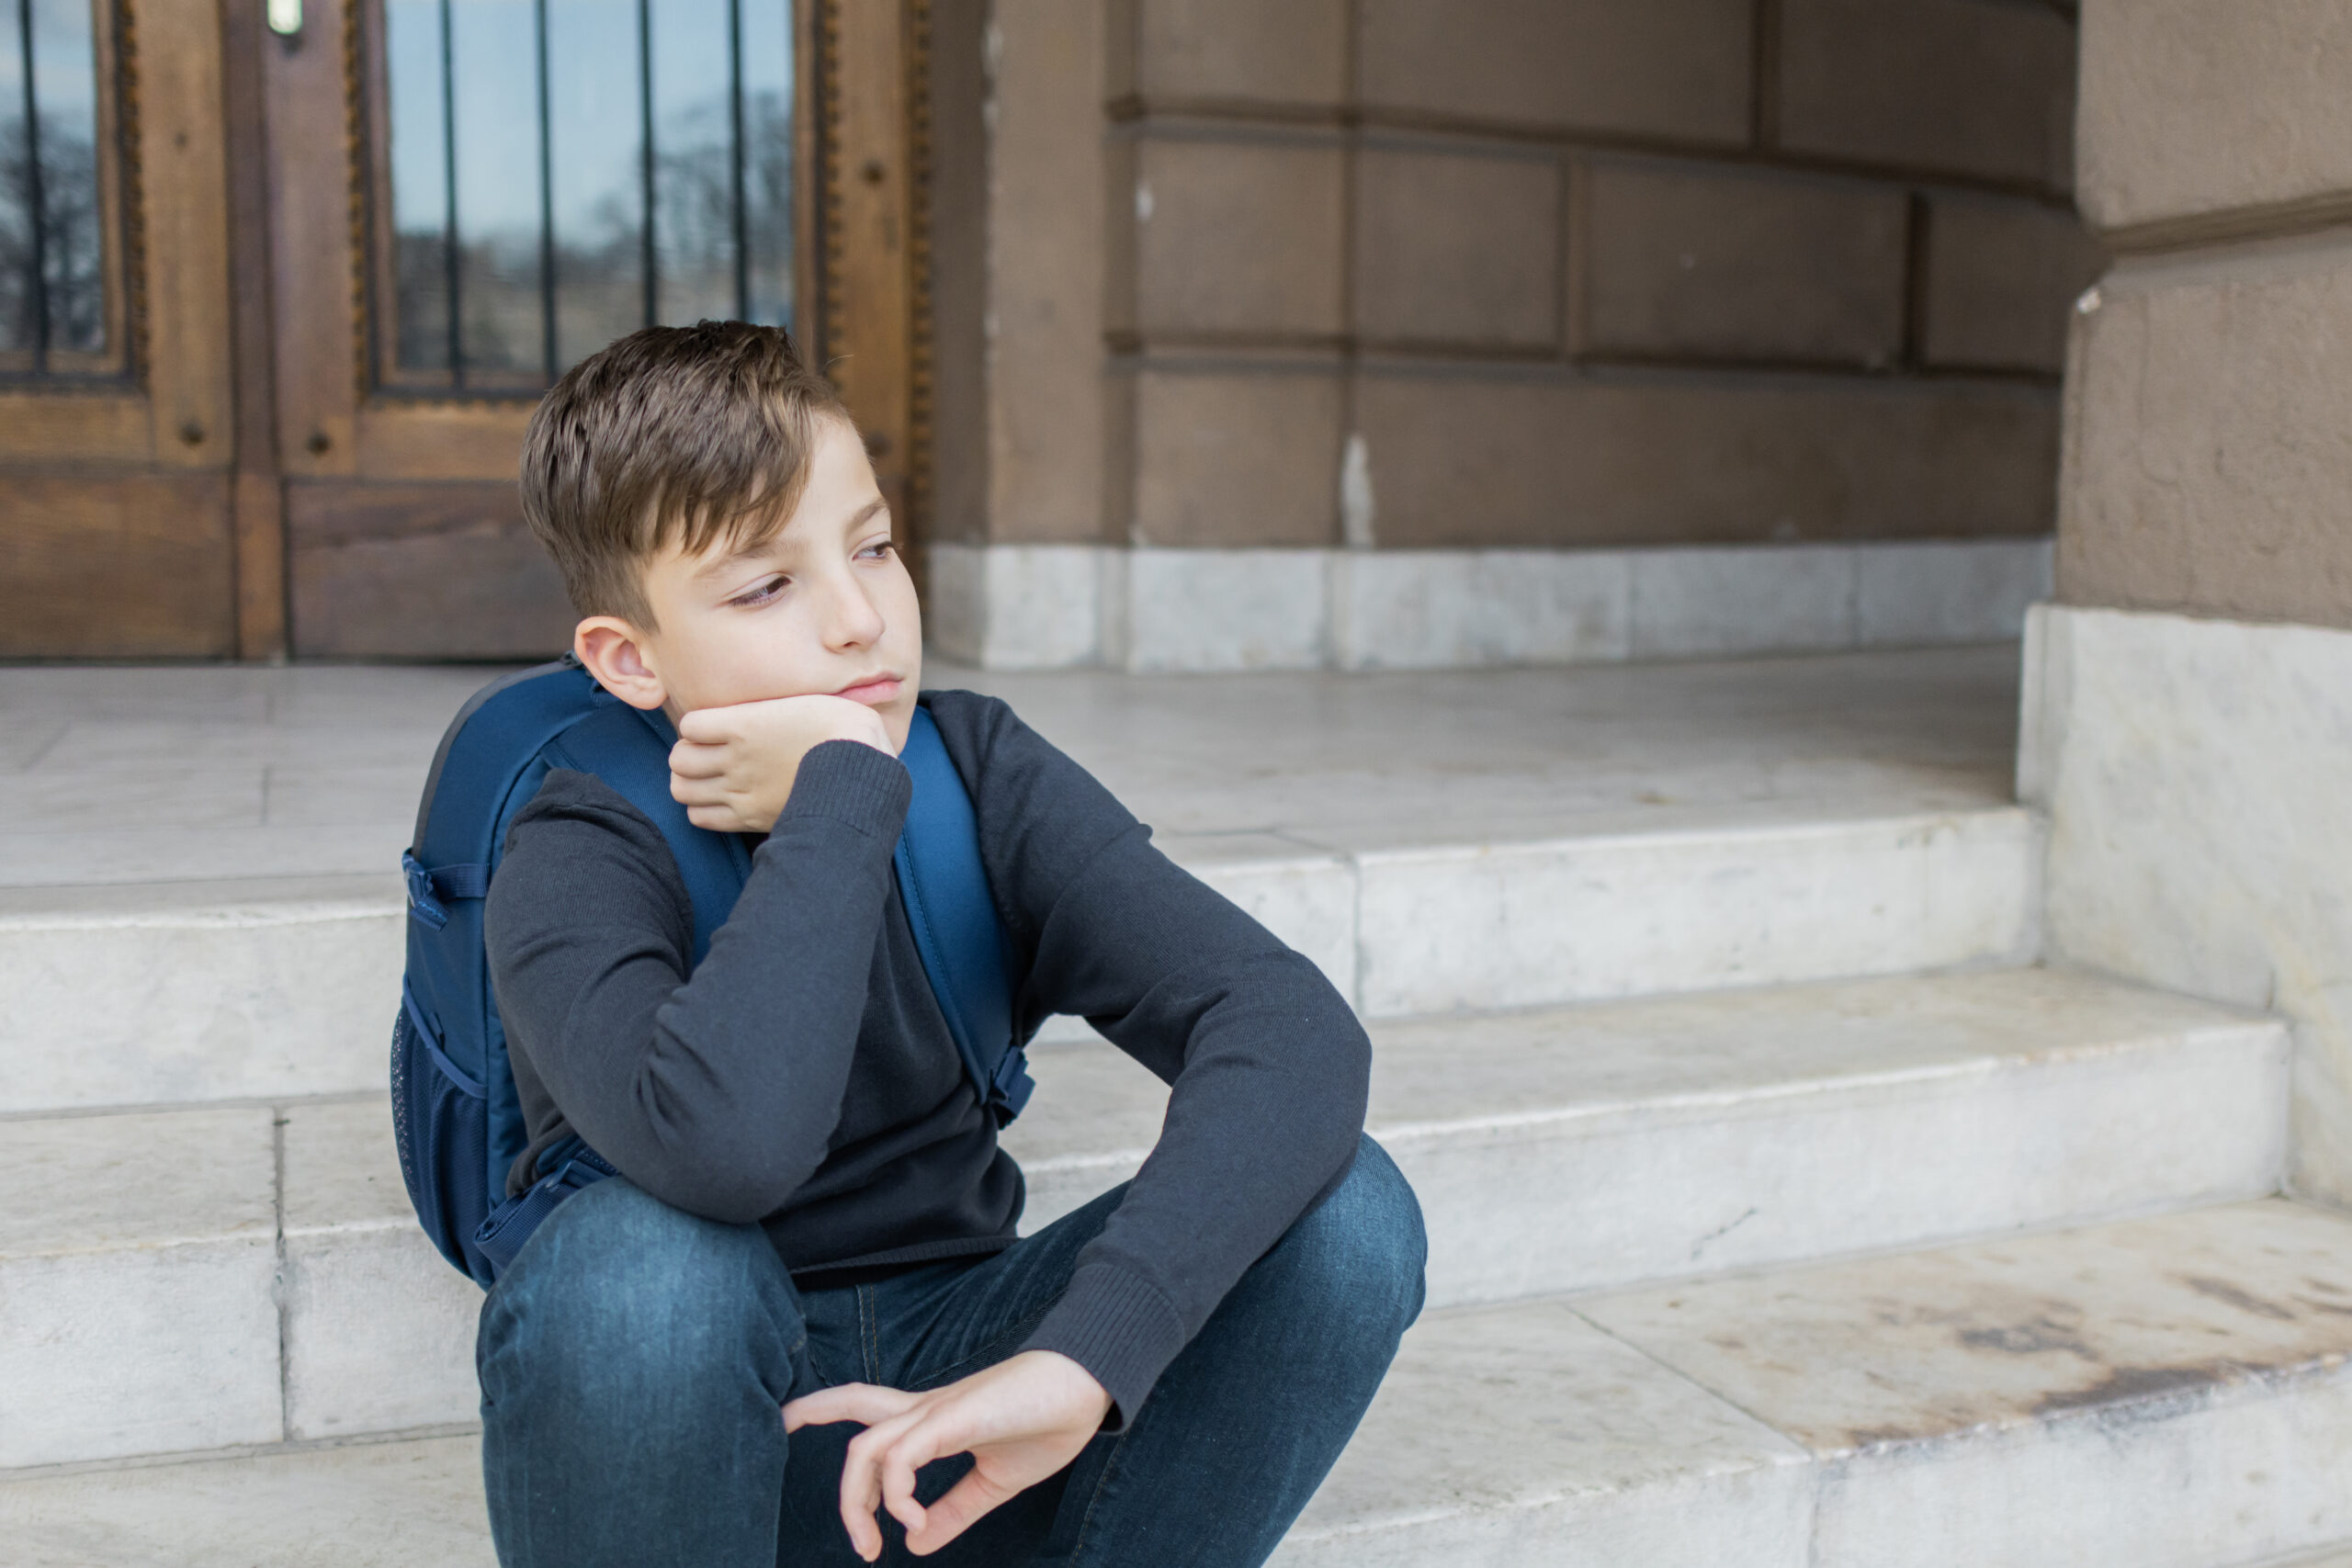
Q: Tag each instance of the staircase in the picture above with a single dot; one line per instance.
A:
(1783, 1209)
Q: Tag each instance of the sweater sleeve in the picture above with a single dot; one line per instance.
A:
(1269, 1069)
(717, 1094)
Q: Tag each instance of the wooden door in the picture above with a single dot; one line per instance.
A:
(470, 196)
(347, 245)
(116, 430)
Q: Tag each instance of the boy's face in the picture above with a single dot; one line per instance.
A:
(824, 605)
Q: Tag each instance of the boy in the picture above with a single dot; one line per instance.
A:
(813, 1215)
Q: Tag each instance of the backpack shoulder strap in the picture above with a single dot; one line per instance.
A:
(946, 890)
(629, 750)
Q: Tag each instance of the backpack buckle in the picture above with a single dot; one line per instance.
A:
(423, 906)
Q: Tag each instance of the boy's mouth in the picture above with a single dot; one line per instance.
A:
(872, 691)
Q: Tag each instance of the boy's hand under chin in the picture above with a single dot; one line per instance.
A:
(732, 767)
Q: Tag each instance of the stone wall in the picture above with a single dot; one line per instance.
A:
(2210, 466)
(1461, 276)
(2192, 748)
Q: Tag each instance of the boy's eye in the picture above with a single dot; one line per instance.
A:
(880, 548)
(762, 594)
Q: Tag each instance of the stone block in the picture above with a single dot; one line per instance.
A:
(2060, 1399)
(356, 1506)
(1699, 604)
(1525, 1435)
(1729, 264)
(1047, 267)
(2209, 447)
(1457, 248)
(1017, 606)
(1238, 456)
(2195, 774)
(1670, 1137)
(1456, 609)
(199, 991)
(1492, 925)
(1236, 238)
(1951, 86)
(1922, 594)
(2196, 108)
(379, 1329)
(1667, 1137)
(1490, 460)
(1203, 609)
(1295, 52)
(1672, 69)
(137, 1256)
(2002, 281)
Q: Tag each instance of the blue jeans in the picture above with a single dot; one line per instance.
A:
(634, 1358)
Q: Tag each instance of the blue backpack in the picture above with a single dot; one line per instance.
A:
(454, 1107)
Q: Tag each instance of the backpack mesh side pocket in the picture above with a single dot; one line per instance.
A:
(441, 1124)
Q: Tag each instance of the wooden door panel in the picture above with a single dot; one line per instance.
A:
(408, 571)
(116, 567)
(115, 537)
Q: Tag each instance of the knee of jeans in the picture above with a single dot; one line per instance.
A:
(1365, 1244)
(618, 1285)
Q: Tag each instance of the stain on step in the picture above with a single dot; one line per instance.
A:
(2127, 1385)
(2231, 1296)
(2037, 1337)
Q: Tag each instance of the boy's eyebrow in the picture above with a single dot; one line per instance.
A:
(736, 558)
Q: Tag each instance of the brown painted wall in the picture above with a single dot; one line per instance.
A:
(1577, 271)
(2208, 448)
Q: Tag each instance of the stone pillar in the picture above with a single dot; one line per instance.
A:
(2188, 699)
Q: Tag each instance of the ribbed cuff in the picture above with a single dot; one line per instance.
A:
(1120, 1329)
(854, 783)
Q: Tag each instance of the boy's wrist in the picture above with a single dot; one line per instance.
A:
(852, 782)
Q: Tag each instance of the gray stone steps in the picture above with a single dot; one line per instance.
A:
(2172, 1392)
(210, 990)
(215, 1275)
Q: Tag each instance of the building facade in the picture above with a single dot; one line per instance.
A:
(1187, 333)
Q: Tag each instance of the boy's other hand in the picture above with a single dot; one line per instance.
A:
(1021, 1420)
(732, 767)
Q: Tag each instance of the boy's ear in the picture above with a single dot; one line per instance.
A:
(615, 654)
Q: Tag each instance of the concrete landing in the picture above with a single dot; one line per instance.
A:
(113, 774)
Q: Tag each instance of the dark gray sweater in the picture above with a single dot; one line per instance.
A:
(804, 1077)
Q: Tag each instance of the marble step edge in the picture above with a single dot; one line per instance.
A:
(2172, 1392)
(1606, 1431)
(110, 1001)
(338, 1317)
(125, 1464)
(2011, 1021)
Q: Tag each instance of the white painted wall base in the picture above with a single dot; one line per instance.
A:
(1059, 606)
(2198, 778)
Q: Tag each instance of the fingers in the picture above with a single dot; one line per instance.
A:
(899, 1461)
(968, 1500)
(862, 1483)
(862, 1403)
(688, 760)
(708, 725)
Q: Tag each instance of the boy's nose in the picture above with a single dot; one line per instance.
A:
(852, 620)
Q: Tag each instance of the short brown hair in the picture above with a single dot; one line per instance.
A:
(697, 434)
